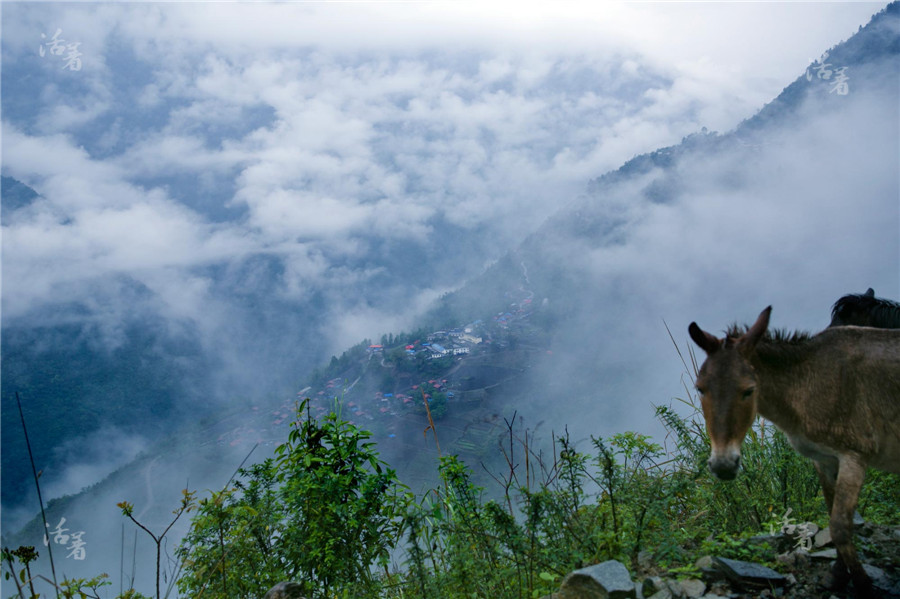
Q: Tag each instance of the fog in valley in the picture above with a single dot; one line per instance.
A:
(215, 203)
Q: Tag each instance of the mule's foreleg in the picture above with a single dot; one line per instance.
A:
(827, 472)
(850, 476)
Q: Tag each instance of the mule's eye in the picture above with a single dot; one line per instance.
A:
(701, 390)
(748, 393)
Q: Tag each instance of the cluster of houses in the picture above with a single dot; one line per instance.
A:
(519, 311)
(439, 344)
(458, 341)
(455, 342)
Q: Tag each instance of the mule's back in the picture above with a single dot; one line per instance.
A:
(865, 310)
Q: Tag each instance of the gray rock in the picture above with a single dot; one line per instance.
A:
(798, 558)
(609, 580)
(747, 574)
(652, 585)
(721, 589)
(824, 555)
(285, 590)
(708, 569)
(882, 534)
(822, 538)
(691, 589)
(880, 579)
(661, 594)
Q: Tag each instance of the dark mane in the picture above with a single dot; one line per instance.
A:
(865, 310)
(772, 336)
(778, 345)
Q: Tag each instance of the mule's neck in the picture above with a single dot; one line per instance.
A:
(780, 371)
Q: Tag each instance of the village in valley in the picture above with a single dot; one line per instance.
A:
(384, 387)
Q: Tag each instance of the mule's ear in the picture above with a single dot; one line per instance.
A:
(752, 336)
(707, 342)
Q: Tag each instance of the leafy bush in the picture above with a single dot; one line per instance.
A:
(323, 513)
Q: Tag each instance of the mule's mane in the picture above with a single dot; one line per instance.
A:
(772, 336)
(866, 309)
(777, 344)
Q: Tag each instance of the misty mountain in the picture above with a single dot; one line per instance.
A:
(809, 188)
(793, 208)
(114, 356)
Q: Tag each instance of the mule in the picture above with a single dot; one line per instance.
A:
(865, 310)
(836, 395)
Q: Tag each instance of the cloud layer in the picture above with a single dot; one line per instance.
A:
(283, 180)
(320, 134)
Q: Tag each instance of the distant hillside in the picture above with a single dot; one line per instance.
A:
(871, 60)
(69, 385)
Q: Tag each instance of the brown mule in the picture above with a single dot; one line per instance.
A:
(836, 395)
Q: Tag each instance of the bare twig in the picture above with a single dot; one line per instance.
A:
(430, 424)
(38, 486)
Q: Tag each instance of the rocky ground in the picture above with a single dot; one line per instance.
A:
(802, 560)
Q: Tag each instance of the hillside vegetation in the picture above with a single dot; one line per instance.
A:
(327, 513)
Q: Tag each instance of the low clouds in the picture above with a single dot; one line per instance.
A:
(91, 223)
(286, 179)
(91, 458)
(806, 214)
(342, 141)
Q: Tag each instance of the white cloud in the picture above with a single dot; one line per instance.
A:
(92, 223)
(331, 129)
(85, 460)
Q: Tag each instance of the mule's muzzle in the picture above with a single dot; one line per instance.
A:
(725, 466)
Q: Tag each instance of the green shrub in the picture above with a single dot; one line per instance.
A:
(324, 512)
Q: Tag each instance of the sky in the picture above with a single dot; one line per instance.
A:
(358, 160)
(201, 134)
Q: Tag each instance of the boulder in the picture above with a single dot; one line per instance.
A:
(748, 574)
(609, 580)
(822, 538)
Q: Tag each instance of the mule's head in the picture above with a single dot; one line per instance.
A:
(728, 388)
